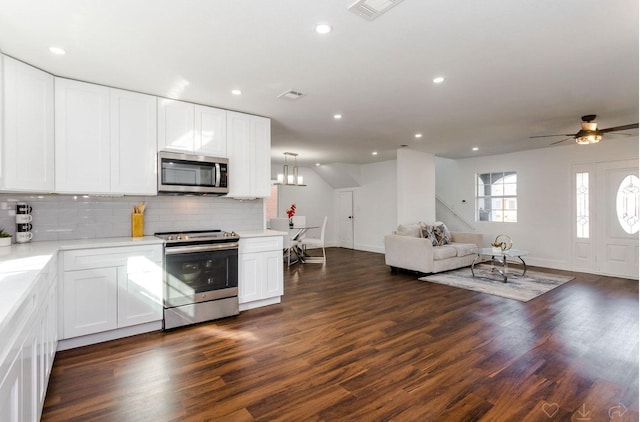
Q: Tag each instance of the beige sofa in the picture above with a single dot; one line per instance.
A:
(419, 254)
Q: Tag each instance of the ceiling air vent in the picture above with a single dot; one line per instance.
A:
(371, 9)
(290, 95)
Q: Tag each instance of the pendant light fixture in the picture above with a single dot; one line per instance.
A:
(290, 178)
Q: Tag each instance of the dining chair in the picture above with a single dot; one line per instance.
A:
(299, 220)
(316, 242)
(282, 225)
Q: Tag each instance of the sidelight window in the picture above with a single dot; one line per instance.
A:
(582, 205)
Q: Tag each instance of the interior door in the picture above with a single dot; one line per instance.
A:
(345, 219)
(616, 228)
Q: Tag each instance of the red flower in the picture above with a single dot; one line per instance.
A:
(291, 211)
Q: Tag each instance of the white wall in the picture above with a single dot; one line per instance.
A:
(374, 204)
(545, 197)
(415, 186)
(313, 201)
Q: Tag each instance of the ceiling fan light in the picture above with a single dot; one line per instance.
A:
(588, 139)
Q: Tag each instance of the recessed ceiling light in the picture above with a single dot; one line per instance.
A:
(236, 92)
(317, 164)
(337, 116)
(438, 80)
(374, 153)
(323, 28)
(57, 50)
(474, 148)
(418, 135)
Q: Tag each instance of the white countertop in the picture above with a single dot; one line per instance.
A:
(16, 252)
(260, 233)
(20, 265)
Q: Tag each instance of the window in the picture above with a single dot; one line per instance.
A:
(582, 205)
(271, 204)
(628, 204)
(496, 197)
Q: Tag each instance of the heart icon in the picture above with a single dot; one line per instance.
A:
(550, 409)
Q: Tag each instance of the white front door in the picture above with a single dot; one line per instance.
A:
(616, 223)
(345, 219)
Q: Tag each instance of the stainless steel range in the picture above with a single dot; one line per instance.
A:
(200, 276)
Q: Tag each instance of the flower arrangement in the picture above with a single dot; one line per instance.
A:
(290, 213)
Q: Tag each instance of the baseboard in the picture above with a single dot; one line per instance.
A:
(259, 303)
(369, 248)
(547, 263)
(72, 343)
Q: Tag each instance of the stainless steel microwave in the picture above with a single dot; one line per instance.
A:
(192, 174)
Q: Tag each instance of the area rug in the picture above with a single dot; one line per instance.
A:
(532, 285)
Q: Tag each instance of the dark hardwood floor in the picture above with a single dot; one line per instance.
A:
(352, 341)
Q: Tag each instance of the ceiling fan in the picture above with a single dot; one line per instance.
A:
(589, 133)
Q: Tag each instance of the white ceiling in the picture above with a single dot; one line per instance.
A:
(513, 69)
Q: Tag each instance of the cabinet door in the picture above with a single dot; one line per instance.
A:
(89, 301)
(249, 277)
(262, 163)
(273, 279)
(248, 149)
(260, 276)
(133, 143)
(175, 126)
(11, 389)
(139, 293)
(30, 375)
(82, 162)
(210, 131)
(27, 156)
(51, 335)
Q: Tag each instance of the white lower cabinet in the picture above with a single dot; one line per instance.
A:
(139, 293)
(109, 288)
(29, 341)
(260, 279)
(90, 301)
(11, 394)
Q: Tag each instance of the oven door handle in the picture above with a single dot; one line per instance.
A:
(174, 250)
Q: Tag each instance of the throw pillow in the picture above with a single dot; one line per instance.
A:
(412, 230)
(429, 233)
(442, 233)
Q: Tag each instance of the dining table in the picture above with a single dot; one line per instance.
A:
(298, 232)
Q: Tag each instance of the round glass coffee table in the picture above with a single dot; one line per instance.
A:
(501, 258)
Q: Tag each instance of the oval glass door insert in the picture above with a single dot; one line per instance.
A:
(628, 204)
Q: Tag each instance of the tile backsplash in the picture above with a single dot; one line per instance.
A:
(65, 217)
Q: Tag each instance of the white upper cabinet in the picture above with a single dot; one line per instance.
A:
(27, 147)
(105, 140)
(249, 152)
(191, 129)
(210, 131)
(133, 143)
(82, 137)
(175, 126)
